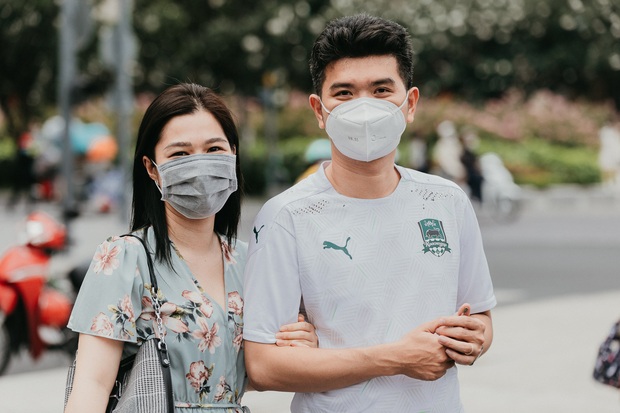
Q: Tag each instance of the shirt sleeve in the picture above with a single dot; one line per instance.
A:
(110, 298)
(475, 285)
(271, 279)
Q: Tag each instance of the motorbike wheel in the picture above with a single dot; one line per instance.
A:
(5, 347)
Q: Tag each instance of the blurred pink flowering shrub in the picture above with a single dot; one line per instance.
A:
(544, 115)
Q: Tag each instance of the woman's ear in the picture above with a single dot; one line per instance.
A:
(317, 108)
(151, 169)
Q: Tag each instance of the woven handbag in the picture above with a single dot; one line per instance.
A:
(607, 365)
(143, 383)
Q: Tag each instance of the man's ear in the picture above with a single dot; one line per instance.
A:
(412, 103)
(317, 108)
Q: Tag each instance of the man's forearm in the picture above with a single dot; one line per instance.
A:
(298, 369)
(418, 354)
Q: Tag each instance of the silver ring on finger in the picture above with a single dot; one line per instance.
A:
(478, 356)
(470, 351)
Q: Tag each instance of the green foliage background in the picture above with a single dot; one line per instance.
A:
(523, 73)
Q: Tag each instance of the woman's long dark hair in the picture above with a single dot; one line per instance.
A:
(147, 207)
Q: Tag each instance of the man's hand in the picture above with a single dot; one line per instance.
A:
(423, 356)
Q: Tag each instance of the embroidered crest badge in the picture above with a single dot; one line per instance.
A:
(434, 237)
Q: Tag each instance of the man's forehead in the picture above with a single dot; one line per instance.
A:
(362, 71)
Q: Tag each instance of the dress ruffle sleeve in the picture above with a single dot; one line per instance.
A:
(110, 298)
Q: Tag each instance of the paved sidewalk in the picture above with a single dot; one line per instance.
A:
(540, 362)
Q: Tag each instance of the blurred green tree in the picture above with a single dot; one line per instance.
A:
(234, 46)
(28, 56)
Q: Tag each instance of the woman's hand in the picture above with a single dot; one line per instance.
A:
(299, 334)
(465, 336)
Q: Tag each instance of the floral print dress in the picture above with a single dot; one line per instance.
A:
(204, 340)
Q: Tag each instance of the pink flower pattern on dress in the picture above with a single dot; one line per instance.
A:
(171, 315)
(105, 258)
(203, 303)
(223, 390)
(193, 321)
(208, 336)
(123, 313)
(229, 253)
(102, 325)
(235, 303)
(198, 377)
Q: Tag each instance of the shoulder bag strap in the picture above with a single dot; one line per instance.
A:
(161, 345)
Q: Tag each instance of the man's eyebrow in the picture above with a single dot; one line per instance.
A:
(341, 85)
(386, 81)
(378, 82)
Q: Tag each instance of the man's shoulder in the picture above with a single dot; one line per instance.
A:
(289, 198)
(428, 180)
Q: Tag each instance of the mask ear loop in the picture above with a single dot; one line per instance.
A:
(404, 101)
(323, 106)
(156, 184)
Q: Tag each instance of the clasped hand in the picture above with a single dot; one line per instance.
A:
(462, 336)
(434, 347)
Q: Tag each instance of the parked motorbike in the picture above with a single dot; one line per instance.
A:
(33, 313)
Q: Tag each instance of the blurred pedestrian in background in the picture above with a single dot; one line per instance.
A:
(23, 173)
(469, 159)
(609, 156)
(447, 153)
(418, 154)
(318, 151)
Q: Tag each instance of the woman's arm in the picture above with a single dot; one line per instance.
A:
(96, 367)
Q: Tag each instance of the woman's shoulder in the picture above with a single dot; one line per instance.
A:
(126, 248)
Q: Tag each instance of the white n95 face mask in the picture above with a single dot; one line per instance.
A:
(366, 129)
(198, 186)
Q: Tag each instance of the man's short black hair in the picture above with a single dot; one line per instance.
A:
(360, 36)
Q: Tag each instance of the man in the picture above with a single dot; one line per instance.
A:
(387, 262)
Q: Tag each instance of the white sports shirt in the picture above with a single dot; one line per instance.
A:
(369, 271)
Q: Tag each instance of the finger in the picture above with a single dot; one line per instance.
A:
(470, 323)
(460, 358)
(301, 318)
(465, 309)
(464, 347)
(299, 326)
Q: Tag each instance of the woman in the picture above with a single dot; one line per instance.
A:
(187, 155)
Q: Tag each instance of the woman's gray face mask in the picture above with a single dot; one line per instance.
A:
(198, 186)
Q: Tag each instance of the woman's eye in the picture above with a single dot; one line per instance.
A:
(215, 149)
(179, 153)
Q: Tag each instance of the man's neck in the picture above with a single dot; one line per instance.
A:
(365, 180)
